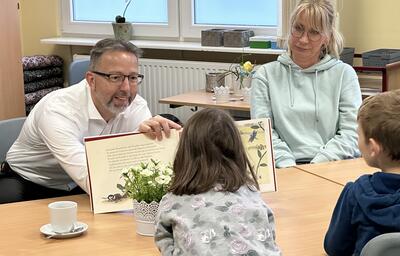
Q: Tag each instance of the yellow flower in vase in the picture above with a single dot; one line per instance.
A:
(241, 74)
(247, 66)
(246, 73)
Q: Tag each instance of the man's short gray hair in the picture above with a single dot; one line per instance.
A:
(111, 44)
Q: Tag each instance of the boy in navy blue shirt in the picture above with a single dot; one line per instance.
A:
(370, 206)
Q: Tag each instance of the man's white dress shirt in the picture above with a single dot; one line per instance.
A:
(50, 150)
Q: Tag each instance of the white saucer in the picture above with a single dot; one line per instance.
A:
(48, 231)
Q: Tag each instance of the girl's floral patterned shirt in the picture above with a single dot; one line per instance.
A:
(216, 223)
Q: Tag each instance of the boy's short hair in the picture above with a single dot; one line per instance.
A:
(379, 117)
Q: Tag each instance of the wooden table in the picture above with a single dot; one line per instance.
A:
(204, 99)
(108, 234)
(302, 207)
(339, 172)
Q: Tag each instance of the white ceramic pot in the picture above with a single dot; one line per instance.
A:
(145, 215)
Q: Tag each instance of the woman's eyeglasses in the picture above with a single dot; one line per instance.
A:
(313, 35)
(119, 78)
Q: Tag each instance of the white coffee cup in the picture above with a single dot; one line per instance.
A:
(63, 215)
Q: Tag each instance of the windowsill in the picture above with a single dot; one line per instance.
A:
(166, 45)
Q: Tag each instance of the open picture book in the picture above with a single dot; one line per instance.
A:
(109, 155)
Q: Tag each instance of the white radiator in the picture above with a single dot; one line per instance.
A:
(163, 78)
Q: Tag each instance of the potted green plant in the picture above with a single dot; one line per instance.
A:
(146, 183)
(122, 29)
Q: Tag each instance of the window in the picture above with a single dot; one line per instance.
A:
(139, 11)
(155, 18)
(175, 19)
(208, 12)
(198, 15)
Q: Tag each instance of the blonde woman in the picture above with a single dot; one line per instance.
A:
(311, 96)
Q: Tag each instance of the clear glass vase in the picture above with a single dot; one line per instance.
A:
(245, 82)
(238, 84)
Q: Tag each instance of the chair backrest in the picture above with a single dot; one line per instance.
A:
(77, 70)
(9, 131)
(383, 245)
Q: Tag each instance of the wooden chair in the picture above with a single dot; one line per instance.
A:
(393, 76)
(388, 77)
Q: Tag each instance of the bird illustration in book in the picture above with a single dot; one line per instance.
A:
(115, 198)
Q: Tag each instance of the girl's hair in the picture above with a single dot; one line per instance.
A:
(321, 15)
(379, 117)
(211, 153)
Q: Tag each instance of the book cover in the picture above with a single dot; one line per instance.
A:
(256, 137)
(108, 156)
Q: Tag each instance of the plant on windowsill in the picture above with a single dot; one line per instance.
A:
(122, 29)
(146, 183)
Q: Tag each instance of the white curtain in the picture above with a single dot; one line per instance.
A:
(287, 8)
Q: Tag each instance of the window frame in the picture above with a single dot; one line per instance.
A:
(149, 30)
(179, 28)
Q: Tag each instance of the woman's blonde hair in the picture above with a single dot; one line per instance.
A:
(322, 17)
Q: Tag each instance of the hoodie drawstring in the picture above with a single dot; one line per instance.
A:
(315, 87)
(290, 86)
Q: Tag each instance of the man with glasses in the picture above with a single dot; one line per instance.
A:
(48, 158)
(311, 96)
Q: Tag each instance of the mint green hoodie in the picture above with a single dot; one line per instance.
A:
(313, 110)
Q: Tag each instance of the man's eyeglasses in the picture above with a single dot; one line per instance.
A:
(119, 78)
(313, 35)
